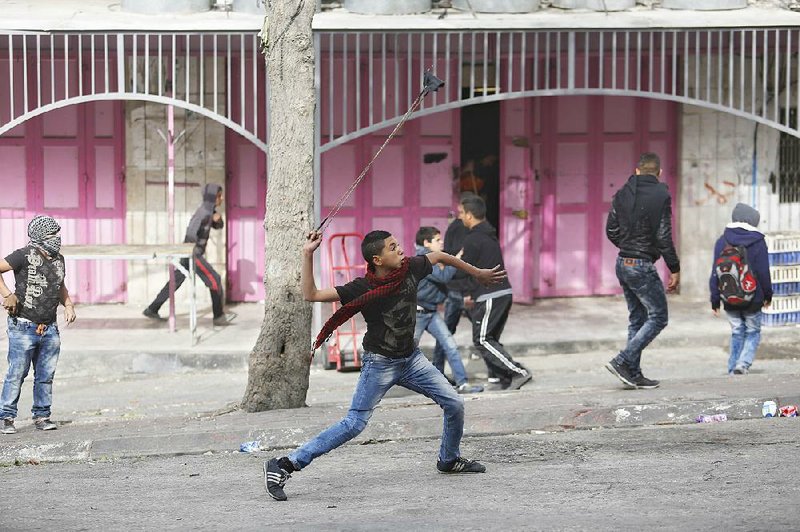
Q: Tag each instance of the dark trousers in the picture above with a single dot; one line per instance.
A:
(647, 308)
(209, 276)
(488, 320)
(453, 306)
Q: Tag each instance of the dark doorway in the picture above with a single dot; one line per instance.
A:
(480, 155)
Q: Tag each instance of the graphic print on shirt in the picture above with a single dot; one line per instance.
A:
(38, 283)
(401, 318)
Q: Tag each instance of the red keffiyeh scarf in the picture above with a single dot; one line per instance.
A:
(379, 287)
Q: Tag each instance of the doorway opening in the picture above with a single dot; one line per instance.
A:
(480, 156)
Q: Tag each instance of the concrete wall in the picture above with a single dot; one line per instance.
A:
(716, 173)
(199, 159)
(717, 170)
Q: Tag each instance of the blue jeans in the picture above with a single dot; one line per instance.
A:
(745, 337)
(453, 306)
(434, 324)
(647, 309)
(378, 374)
(25, 347)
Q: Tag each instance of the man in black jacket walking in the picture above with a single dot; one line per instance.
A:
(640, 225)
(492, 303)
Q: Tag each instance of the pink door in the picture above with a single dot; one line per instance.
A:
(246, 184)
(559, 180)
(245, 205)
(69, 164)
(409, 185)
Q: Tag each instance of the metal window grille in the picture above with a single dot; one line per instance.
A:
(789, 164)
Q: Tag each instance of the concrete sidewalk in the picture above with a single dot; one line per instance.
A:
(116, 339)
(128, 387)
(192, 413)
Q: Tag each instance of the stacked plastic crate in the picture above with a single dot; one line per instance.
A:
(784, 267)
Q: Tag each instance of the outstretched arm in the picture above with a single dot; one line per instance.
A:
(310, 291)
(482, 275)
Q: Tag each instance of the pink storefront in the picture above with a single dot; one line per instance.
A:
(564, 112)
(558, 158)
(554, 189)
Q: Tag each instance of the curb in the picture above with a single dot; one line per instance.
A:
(425, 423)
(77, 363)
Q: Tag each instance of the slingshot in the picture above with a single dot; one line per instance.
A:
(430, 83)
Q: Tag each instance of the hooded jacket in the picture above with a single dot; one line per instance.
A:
(640, 221)
(744, 234)
(201, 223)
(482, 250)
(432, 290)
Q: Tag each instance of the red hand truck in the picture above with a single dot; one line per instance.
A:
(343, 348)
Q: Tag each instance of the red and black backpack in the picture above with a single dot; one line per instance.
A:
(735, 281)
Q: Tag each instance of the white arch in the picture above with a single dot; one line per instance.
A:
(558, 92)
(114, 96)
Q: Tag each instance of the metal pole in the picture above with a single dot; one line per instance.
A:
(192, 300)
(171, 208)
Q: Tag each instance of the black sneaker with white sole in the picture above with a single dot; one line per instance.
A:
(275, 478)
(621, 372)
(460, 465)
(645, 383)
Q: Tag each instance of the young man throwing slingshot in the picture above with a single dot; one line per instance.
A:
(387, 298)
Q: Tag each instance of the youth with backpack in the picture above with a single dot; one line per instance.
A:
(740, 282)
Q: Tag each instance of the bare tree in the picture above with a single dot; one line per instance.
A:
(280, 360)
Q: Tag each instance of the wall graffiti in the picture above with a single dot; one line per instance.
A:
(722, 195)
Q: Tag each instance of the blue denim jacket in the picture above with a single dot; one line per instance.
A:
(432, 290)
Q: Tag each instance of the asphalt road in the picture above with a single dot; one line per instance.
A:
(739, 475)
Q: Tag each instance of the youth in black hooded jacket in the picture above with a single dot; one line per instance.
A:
(482, 250)
(202, 221)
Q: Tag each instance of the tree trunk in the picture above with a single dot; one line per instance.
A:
(281, 357)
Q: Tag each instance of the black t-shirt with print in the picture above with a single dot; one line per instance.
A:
(38, 284)
(390, 320)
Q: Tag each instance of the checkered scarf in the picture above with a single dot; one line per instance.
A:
(43, 233)
(380, 287)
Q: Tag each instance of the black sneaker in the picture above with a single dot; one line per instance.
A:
(153, 315)
(8, 426)
(274, 479)
(645, 383)
(44, 423)
(621, 372)
(460, 465)
(519, 380)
